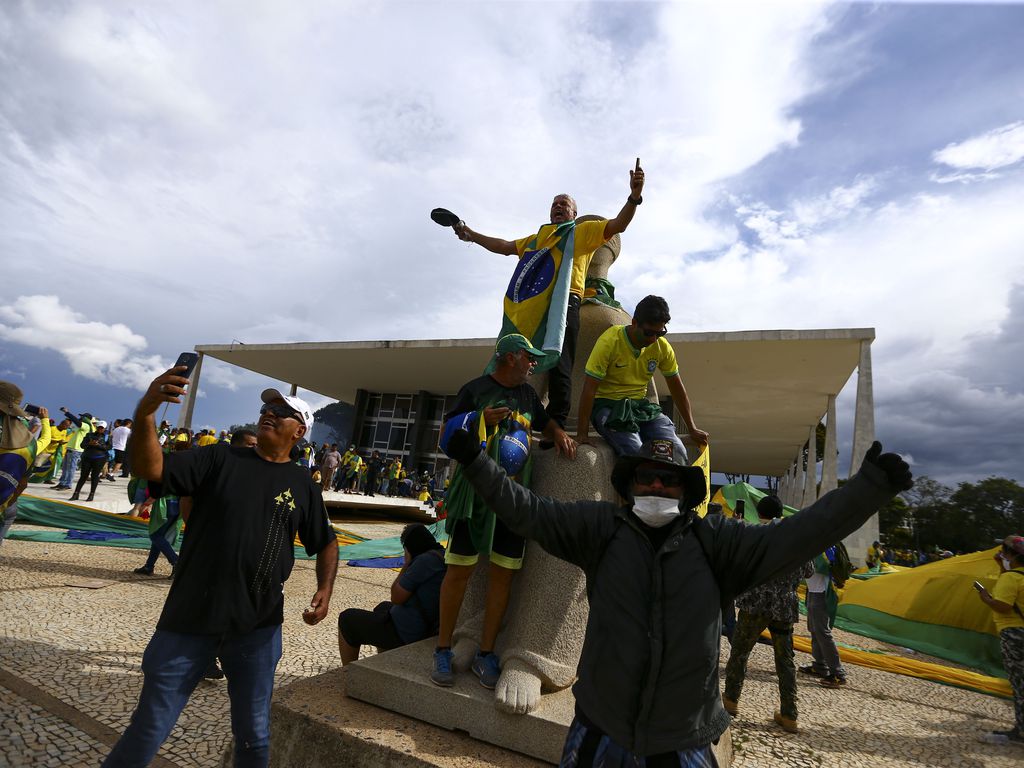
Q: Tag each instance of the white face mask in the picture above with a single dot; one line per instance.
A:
(656, 511)
(1004, 561)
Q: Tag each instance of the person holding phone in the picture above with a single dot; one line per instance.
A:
(95, 446)
(227, 596)
(1007, 603)
(540, 257)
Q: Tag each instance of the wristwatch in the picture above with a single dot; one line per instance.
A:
(635, 200)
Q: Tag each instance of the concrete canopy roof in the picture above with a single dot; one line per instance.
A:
(756, 392)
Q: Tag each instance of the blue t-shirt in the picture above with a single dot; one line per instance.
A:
(417, 618)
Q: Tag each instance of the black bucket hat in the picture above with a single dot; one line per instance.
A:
(695, 488)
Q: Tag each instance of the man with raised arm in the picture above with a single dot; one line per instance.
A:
(657, 576)
(227, 597)
(544, 295)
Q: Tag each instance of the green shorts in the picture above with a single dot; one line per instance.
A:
(507, 548)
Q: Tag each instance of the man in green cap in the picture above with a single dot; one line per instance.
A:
(500, 409)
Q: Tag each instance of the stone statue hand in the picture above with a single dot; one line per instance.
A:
(897, 471)
(518, 689)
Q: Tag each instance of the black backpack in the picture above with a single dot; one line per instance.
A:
(841, 565)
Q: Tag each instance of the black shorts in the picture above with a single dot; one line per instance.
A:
(118, 456)
(360, 627)
(507, 548)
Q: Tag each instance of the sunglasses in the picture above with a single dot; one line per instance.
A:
(281, 411)
(649, 333)
(669, 478)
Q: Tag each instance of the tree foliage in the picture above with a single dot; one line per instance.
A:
(970, 518)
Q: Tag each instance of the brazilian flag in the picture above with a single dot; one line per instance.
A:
(537, 300)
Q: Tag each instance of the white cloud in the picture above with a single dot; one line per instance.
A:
(98, 351)
(998, 148)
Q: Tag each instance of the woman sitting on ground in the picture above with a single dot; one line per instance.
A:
(413, 611)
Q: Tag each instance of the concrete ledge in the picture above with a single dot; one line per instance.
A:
(315, 725)
(398, 681)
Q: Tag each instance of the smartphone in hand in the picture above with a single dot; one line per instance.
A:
(188, 359)
(978, 586)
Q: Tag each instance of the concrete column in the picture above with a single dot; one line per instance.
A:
(360, 405)
(863, 435)
(294, 390)
(797, 494)
(187, 407)
(830, 461)
(784, 486)
(810, 491)
(419, 431)
(864, 414)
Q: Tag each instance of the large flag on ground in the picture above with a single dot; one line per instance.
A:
(537, 300)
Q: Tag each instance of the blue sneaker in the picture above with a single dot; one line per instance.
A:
(442, 674)
(487, 668)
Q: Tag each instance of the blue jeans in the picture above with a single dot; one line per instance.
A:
(163, 544)
(628, 443)
(67, 474)
(173, 664)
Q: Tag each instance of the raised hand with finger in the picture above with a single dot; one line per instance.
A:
(636, 184)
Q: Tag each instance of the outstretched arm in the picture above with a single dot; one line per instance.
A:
(636, 187)
(492, 244)
(147, 460)
(573, 532)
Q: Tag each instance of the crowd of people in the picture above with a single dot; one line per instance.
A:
(659, 576)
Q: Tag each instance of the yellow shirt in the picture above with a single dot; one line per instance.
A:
(57, 438)
(588, 238)
(623, 370)
(206, 440)
(1009, 589)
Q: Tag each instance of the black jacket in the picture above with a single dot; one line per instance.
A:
(648, 673)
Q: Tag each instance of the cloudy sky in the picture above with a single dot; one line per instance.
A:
(174, 174)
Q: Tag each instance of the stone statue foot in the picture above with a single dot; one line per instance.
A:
(518, 689)
(464, 649)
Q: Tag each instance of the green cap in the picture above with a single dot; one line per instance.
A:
(514, 342)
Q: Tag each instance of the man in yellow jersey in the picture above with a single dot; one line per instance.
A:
(587, 237)
(614, 397)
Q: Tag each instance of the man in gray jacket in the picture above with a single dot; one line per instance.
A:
(657, 575)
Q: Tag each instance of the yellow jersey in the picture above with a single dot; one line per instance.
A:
(623, 370)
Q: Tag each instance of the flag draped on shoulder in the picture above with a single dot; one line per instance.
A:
(537, 300)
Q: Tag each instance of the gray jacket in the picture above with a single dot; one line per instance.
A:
(648, 673)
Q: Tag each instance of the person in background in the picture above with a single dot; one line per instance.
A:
(773, 606)
(82, 427)
(94, 458)
(1007, 603)
(412, 612)
(119, 442)
(57, 448)
(18, 450)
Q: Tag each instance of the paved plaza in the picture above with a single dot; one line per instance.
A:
(70, 656)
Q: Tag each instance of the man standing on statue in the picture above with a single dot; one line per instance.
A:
(543, 298)
(500, 409)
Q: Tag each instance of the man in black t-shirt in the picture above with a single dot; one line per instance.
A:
(227, 598)
(508, 407)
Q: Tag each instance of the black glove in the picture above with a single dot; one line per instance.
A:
(897, 471)
(463, 447)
